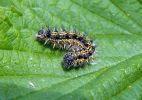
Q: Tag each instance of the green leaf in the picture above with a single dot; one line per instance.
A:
(31, 71)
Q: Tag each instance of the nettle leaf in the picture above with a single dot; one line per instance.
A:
(31, 71)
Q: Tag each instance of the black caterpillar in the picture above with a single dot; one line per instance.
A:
(79, 46)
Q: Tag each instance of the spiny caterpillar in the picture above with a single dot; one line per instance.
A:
(79, 47)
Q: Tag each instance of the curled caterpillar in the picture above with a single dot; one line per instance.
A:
(79, 47)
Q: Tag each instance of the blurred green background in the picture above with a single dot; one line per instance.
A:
(30, 71)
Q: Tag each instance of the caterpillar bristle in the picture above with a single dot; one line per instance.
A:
(74, 30)
(84, 34)
(54, 45)
(55, 29)
(63, 29)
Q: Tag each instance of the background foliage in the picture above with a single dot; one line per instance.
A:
(28, 70)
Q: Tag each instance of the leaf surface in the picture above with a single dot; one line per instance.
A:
(31, 71)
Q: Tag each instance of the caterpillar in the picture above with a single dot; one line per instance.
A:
(79, 47)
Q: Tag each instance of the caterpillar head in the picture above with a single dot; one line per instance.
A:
(43, 35)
